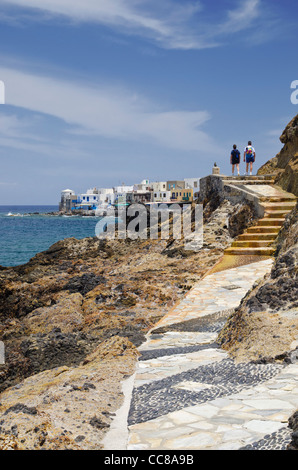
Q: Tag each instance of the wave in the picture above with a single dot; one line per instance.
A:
(10, 214)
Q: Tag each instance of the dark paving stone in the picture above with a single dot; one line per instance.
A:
(207, 324)
(278, 440)
(154, 354)
(224, 378)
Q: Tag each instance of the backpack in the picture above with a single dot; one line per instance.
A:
(249, 151)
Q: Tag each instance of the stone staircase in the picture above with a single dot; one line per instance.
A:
(259, 239)
(248, 180)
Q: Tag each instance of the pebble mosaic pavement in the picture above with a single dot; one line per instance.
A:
(187, 392)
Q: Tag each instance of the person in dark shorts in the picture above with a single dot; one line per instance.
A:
(235, 159)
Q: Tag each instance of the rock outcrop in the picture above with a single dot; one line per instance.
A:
(71, 319)
(285, 165)
(67, 407)
(265, 325)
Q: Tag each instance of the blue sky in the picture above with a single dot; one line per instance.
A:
(102, 92)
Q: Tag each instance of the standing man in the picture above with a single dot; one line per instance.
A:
(235, 159)
(249, 157)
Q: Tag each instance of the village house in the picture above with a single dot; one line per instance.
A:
(194, 184)
(183, 195)
(175, 185)
(68, 199)
(159, 186)
(162, 196)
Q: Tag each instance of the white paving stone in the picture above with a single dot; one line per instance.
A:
(262, 426)
(225, 423)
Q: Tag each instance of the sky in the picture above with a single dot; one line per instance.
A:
(104, 92)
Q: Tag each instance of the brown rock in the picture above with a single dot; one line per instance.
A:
(285, 165)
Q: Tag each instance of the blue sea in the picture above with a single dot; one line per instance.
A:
(22, 236)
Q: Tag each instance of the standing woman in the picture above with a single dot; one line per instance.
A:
(235, 159)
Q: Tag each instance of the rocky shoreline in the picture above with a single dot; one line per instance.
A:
(81, 306)
(71, 320)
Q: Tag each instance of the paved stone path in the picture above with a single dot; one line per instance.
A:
(187, 392)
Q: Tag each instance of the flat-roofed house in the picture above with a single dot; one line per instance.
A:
(182, 195)
(175, 185)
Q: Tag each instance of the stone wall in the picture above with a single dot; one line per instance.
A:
(214, 188)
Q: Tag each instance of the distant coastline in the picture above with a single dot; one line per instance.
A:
(30, 229)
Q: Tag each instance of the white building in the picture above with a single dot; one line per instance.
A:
(88, 199)
(194, 184)
(67, 193)
(159, 186)
(162, 196)
(105, 191)
(96, 198)
(106, 196)
(143, 186)
(123, 189)
(67, 196)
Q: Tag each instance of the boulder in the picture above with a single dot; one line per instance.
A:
(285, 165)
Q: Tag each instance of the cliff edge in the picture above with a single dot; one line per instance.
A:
(285, 165)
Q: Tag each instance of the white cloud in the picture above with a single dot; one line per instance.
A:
(242, 17)
(30, 134)
(167, 23)
(114, 13)
(105, 111)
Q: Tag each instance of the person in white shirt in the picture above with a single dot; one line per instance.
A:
(249, 157)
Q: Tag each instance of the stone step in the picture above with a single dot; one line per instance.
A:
(257, 236)
(251, 243)
(271, 222)
(247, 182)
(277, 199)
(261, 251)
(275, 206)
(276, 214)
(263, 229)
(262, 178)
